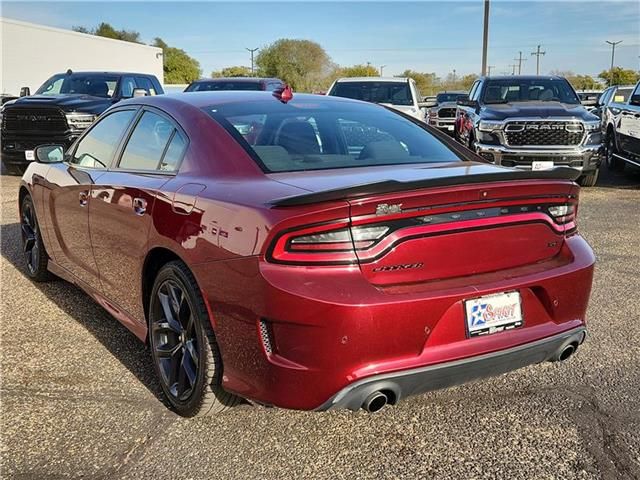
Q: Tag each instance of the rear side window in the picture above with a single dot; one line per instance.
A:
(147, 143)
(173, 155)
(395, 93)
(97, 148)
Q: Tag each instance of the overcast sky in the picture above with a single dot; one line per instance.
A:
(426, 36)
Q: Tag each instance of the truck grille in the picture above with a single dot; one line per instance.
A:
(537, 133)
(447, 113)
(34, 120)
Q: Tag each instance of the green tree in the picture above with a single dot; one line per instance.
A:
(178, 66)
(427, 83)
(303, 64)
(106, 30)
(236, 71)
(359, 70)
(579, 82)
(619, 76)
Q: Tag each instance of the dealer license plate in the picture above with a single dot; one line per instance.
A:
(541, 165)
(29, 155)
(493, 313)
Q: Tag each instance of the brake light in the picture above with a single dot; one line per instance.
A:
(563, 214)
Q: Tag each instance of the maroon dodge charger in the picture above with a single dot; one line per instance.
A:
(307, 252)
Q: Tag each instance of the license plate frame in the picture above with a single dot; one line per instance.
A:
(505, 306)
(538, 165)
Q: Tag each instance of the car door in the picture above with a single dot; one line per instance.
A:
(68, 195)
(465, 115)
(120, 214)
(629, 126)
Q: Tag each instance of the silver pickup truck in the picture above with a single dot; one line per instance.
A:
(621, 126)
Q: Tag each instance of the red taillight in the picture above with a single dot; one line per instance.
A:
(332, 244)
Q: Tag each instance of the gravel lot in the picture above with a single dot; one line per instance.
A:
(79, 398)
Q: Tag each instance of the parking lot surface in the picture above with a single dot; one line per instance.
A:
(79, 397)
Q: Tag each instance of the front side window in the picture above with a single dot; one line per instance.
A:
(312, 135)
(96, 148)
(96, 85)
(394, 93)
(147, 143)
(533, 90)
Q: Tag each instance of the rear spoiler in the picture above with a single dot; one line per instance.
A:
(391, 186)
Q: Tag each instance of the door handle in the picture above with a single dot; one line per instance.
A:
(139, 205)
(84, 198)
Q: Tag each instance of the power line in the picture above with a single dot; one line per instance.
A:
(520, 60)
(252, 50)
(537, 53)
(485, 37)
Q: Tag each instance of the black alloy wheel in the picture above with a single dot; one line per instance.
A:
(183, 346)
(613, 162)
(33, 250)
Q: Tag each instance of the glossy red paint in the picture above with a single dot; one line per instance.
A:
(332, 324)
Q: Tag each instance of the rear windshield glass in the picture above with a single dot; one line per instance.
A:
(449, 97)
(95, 85)
(395, 93)
(231, 85)
(528, 90)
(307, 135)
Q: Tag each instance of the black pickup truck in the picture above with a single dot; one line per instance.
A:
(530, 122)
(621, 126)
(61, 109)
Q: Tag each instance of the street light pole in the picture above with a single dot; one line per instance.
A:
(485, 37)
(252, 50)
(537, 53)
(381, 69)
(613, 55)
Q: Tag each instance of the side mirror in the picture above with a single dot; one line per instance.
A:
(635, 100)
(139, 92)
(49, 154)
(25, 91)
(465, 102)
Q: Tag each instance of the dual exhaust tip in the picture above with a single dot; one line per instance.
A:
(377, 400)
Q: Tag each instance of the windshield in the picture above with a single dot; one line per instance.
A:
(223, 85)
(395, 93)
(529, 90)
(309, 135)
(97, 85)
(449, 97)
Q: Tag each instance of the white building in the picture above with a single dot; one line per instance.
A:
(30, 54)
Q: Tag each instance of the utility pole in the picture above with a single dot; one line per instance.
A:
(537, 53)
(613, 55)
(489, 67)
(381, 69)
(513, 69)
(454, 77)
(520, 60)
(485, 37)
(252, 50)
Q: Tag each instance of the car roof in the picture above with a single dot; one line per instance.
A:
(372, 79)
(219, 97)
(237, 79)
(523, 77)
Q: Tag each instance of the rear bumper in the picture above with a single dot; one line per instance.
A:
(299, 337)
(585, 158)
(420, 380)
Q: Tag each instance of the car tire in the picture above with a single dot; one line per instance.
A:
(184, 350)
(613, 163)
(34, 252)
(590, 179)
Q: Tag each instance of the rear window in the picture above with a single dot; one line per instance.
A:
(307, 135)
(394, 93)
(223, 85)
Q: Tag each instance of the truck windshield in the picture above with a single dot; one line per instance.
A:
(306, 134)
(100, 85)
(449, 97)
(529, 90)
(394, 93)
(223, 85)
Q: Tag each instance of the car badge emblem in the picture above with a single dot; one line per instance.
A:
(386, 209)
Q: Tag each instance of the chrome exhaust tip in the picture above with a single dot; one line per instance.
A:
(375, 402)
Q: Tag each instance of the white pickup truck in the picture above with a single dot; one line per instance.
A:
(621, 126)
(399, 93)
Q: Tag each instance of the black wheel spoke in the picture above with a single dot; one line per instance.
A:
(173, 330)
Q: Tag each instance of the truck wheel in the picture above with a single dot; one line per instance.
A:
(589, 180)
(613, 162)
